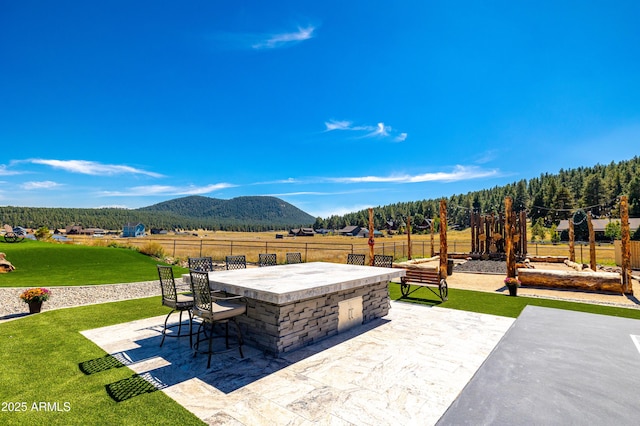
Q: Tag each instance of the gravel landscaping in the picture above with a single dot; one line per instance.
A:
(12, 306)
(482, 266)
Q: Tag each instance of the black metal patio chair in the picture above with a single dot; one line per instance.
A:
(177, 301)
(204, 264)
(355, 259)
(294, 258)
(212, 309)
(236, 262)
(267, 259)
(383, 260)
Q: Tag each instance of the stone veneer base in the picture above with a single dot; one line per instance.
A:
(279, 329)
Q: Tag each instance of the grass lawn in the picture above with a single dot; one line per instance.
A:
(40, 354)
(502, 305)
(40, 264)
(39, 363)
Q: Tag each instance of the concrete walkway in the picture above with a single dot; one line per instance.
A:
(404, 369)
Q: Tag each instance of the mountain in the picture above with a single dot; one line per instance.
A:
(194, 212)
(250, 209)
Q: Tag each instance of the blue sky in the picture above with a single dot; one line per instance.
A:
(332, 106)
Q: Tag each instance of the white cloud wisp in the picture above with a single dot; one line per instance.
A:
(92, 168)
(459, 173)
(378, 131)
(275, 41)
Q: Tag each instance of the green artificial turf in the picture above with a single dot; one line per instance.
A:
(42, 382)
(500, 304)
(42, 264)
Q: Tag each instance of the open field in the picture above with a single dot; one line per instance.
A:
(330, 248)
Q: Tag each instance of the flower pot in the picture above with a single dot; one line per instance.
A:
(35, 307)
(513, 290)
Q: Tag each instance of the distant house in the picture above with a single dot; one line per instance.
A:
(158, 231)
(79, 230)
(302, 232)
(599, 226)
(364, 233)
(132, 230)
(424, 226)
(350, 231)
(323, 231)
(74, 230)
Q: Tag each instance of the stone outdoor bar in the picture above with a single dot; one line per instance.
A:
(291, 306)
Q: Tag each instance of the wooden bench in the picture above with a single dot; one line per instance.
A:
(424, 277)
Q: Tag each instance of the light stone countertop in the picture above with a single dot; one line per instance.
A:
(285, 284)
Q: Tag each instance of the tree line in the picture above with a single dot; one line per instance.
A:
(550, 197)
(116, 218)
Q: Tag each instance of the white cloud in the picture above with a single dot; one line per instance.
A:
(5, 172)
(92, 167)
(337, 125)
(47, 184)
(401, 137)
(378, 131)
(459, 173)
(149, 190)
(275, 41)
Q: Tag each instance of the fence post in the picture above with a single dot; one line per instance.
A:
(200, 248)
(306, 248)
(581, 260)
(174, 248)
(231, 249)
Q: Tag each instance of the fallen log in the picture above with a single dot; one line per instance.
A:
(547, 259)
(608, 282)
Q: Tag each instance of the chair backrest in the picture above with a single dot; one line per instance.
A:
(355, 259)
(294, 258)
(267, 259)
(236, 262)
(200, 290)
(383, 260)
(204, 264)
(167, 282)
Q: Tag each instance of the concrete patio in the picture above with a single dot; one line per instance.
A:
(406, 368)
(417, 366)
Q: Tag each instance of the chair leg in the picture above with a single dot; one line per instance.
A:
(164, 330)
(210, 346)
(180, 323)
(190, 329)
(197, 344)
(240, 341)
(226, 334)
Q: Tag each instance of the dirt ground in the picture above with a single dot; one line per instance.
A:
(493, 283)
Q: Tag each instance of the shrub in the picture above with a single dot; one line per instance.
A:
(152, 249)
(42, 233)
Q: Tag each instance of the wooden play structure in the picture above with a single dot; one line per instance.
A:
(489, 234)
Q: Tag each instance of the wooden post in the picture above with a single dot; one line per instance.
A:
(523, 234)
(473, 232)
(508, 228)
(483, 241)
(572, 238)
(592, 244)
(372, 240)
(627, 286)
(433, 231)
(443, 239)
(408, 237)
